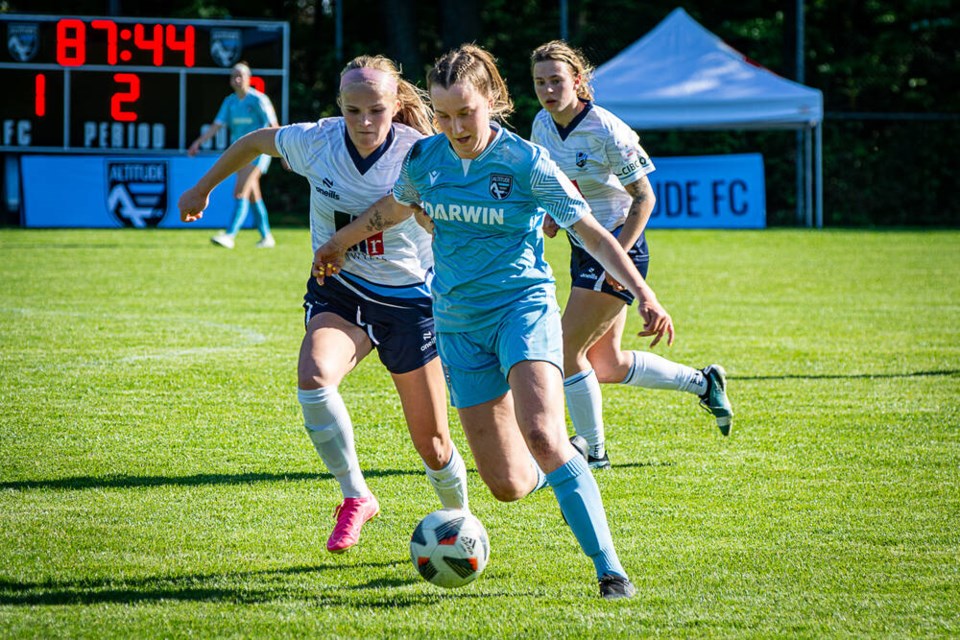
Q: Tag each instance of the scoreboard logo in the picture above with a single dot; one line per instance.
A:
(226, 45)
(23, 41)
(137, 192)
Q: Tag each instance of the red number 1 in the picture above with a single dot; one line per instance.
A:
(120, 98)
(40, 95)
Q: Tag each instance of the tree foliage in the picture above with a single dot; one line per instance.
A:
(887, 68)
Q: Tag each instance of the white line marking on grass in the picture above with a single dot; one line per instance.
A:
(248, 337)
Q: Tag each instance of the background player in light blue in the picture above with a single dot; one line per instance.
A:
(243, 111)
(486, 191)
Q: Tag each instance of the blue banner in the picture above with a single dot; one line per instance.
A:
(709, 192)
(115, 192)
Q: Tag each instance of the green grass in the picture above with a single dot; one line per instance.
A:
(155, 480)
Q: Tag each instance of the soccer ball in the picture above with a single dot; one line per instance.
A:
(450, 548)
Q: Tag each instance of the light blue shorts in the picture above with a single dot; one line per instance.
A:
(476, 363)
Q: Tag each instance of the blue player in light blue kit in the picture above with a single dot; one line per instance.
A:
(485, 192)
(242, 112)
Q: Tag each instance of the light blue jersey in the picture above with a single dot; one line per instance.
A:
(243, 115)
(487, 212)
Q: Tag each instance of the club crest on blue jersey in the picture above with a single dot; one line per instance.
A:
(226, 45)
(137, 192)
(500, 186)
(582, 159)
(23, 41)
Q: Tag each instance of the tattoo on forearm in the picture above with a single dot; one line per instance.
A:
(640, 197)
(377, 222)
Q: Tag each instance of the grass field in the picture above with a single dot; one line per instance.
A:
(156, 482)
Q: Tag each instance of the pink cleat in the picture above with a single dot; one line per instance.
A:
(351, 514)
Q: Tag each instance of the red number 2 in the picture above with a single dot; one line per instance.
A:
(121, 98)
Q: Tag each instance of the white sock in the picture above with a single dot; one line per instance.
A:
(585, 404)
(541, 476)
(328, 424)
(650, 371)
(450, 482)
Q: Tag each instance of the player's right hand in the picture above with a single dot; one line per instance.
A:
(656, 321)
(550, 226)
(192, 203)
(327, 260)
(194, 149)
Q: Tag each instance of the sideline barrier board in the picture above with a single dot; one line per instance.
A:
(115, 191)
(709, 192)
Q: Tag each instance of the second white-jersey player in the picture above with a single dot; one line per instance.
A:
(603, 157)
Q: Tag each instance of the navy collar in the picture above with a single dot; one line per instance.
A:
(363, 164)
(567, 130)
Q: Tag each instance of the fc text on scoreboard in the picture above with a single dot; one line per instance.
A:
(128, 85)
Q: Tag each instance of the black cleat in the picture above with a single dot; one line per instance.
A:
(603, 462)
(580, 444)
(614, 587)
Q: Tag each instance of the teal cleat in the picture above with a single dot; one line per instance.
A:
(715, 399)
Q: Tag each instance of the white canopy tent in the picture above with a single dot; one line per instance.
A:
(681, 76)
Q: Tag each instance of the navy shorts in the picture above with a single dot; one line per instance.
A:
(401, 331)
(587, 273)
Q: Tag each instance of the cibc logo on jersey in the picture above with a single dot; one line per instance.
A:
(137, 192)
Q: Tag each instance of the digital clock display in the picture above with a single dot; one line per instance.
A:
(126, 85)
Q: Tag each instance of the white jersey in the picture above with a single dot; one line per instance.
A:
(343, 186)
(600, 154)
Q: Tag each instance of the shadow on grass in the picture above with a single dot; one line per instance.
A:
(200, 479)
(242, 587)
(848, 376)
(638, 465)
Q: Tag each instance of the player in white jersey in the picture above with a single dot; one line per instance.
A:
(604, 159)
(380, 299)
(486, 191)
(243, 111)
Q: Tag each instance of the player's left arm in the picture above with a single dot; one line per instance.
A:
(601, 244)
(383, 214)
(641, 206)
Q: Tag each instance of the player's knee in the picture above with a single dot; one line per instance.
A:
(313, 375)
(540, 443)
(507, 492)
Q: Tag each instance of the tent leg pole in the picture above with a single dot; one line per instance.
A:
(808, 171)
(819, 179)
(799, 160)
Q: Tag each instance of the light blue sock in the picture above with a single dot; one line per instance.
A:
(261, 218)
(581, 505)
(240, 209)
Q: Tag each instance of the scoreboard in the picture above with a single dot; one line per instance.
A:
(115, 85)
